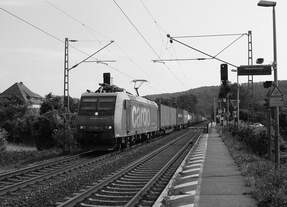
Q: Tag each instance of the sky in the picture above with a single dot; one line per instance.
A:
(138, 29)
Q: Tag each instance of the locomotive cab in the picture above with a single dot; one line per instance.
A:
(96, 119)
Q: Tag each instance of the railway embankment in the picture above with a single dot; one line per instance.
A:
(248, 150)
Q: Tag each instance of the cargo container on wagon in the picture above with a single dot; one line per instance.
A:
(167, 117)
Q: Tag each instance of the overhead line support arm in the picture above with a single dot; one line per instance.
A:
(212, 57)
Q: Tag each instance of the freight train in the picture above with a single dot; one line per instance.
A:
(111, 118)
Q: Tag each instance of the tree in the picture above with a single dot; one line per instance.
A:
(51, 103)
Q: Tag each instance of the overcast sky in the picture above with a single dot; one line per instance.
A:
(37, 59)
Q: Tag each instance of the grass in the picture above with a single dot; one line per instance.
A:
(269, 188)
(18, 156)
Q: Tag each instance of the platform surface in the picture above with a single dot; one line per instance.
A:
(208, 177)
(221, 182)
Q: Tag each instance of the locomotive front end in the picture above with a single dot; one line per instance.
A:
(96, 119)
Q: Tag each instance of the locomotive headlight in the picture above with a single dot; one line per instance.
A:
(82, 127)
(110, 127)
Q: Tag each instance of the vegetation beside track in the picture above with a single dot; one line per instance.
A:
(10, 159)
(249, 149)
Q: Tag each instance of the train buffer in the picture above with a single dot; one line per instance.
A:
(207, 177)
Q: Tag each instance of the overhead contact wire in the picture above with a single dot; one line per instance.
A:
(41, 30)
(160, 29)
(145, 40)
(94, 31)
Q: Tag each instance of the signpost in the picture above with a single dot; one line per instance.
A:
(254, 70)
(275, 97)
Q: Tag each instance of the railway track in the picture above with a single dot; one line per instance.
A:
(12, 182)
(141, 182)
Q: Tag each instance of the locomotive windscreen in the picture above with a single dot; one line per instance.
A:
(97, 105)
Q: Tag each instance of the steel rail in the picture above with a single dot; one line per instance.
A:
(151, 183)
(47, 175)
(115, 176)
(42, 164)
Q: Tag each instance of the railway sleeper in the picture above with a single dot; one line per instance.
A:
(106, 202)
(142, 173)
(114, 196)
(145, 176)
(27, 177)
(145, 170)
(4, 184)
(133, 185)
(131, 182)
(108, 192)
(124, 189)
(134, 179)
(15, 180)
(89, 205)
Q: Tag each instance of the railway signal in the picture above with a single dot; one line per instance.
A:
(224, 73)
(267, 84)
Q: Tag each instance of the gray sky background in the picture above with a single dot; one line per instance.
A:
(38, 60)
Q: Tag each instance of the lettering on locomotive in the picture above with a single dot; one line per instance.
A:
(140, 117)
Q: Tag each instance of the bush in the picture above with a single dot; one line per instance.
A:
(268, 187)
(65, 139)
(271, 188)
(255, 141)
(42, 133)
(44, 127)
(3, 139)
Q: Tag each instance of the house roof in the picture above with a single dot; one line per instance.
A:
(22, 92)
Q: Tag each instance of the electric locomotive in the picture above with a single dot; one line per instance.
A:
(111, 118)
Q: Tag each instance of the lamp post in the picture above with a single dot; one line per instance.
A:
(277, 146)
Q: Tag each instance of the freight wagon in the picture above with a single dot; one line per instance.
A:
(167, 118)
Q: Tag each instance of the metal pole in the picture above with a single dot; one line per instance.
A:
(227, 109)
(277, 144)
(269, 121)
(237, 100)
(66, 77)
(214, 110)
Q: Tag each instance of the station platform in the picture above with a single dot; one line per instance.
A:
(207, 177)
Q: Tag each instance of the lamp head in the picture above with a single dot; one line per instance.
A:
(266, 3)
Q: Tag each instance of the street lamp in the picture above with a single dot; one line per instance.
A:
(277, 147)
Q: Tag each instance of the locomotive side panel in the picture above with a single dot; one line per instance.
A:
(141, 117)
